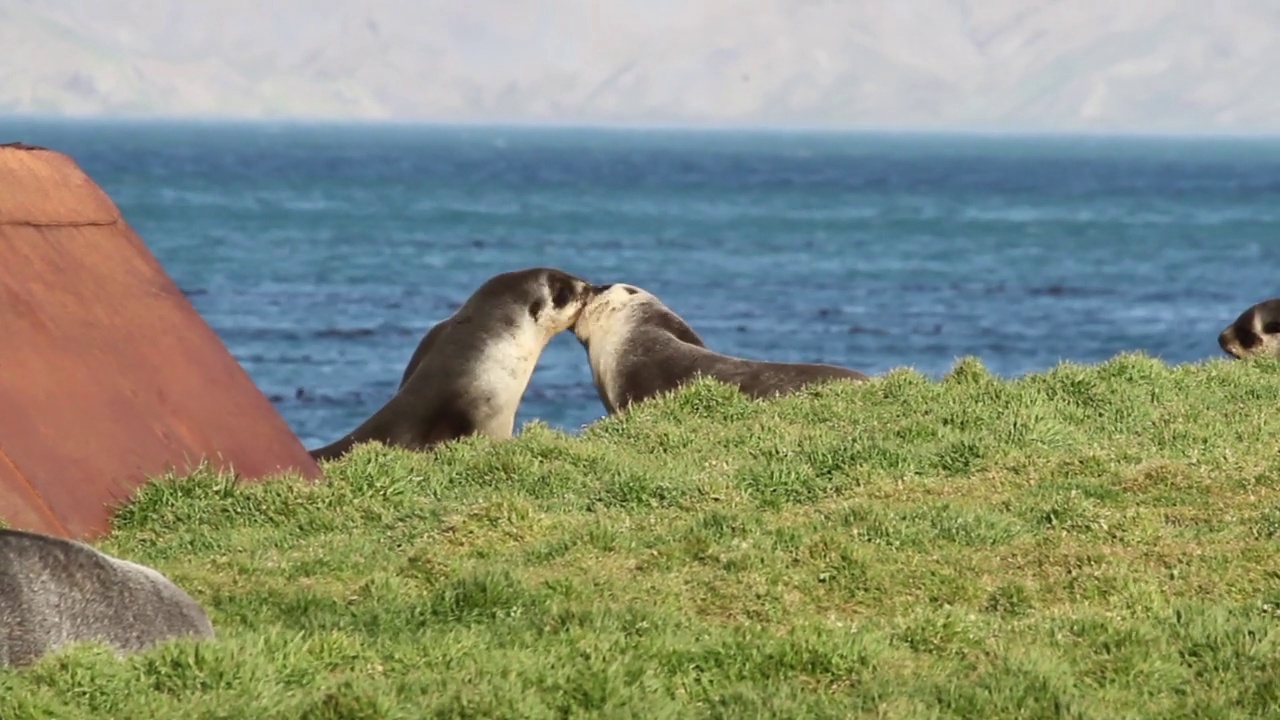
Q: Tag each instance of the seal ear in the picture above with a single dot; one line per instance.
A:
(1247, 338)
(561, 290)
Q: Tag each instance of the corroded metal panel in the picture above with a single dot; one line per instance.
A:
(107, 373)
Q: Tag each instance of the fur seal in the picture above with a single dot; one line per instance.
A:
(469, 372)
(1255, 332)
(638, 347)
(54, 592)
(424, 346)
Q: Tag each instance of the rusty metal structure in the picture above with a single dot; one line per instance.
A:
(108, 375)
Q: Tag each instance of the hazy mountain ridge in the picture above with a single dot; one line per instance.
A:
(1051, 64)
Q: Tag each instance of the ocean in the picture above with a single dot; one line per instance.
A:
(320, 254)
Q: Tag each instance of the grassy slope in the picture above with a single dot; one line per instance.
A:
(1088, 542)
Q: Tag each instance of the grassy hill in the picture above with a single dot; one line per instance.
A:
(1089, 542)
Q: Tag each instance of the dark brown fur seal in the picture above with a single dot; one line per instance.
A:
(468, 373)
(1255, 332)
(638, 348)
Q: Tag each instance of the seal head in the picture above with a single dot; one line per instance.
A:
(1255, 332)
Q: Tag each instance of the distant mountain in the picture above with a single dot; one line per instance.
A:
(1159, 65)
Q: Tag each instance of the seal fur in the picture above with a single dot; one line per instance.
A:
(1255, 332)
(638, 347)
(55, 591)
(469, 372)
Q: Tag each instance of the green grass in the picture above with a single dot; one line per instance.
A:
(1090, 542)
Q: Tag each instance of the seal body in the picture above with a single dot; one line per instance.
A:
(55, 591)
(469, 371)
(1255, 332)
(638, 347)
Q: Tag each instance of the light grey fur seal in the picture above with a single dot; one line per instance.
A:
(469, 372)
(1255, 332)
(638, 347)
(55, 591)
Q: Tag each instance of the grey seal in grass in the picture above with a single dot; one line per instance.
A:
(55, 591)
(469, 372)
(1255, 332)
(638, 347)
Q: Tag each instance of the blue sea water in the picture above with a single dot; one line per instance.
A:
(321, 253)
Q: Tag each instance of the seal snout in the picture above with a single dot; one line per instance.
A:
(1226, 341)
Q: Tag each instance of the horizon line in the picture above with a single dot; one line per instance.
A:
(747, 127)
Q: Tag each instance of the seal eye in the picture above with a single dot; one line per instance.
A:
(561, 298)
(535, 307)
(630, 290)
(1272, 327)
(1248, 338)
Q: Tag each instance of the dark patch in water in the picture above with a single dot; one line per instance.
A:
(1181, 294)
(277, 359)
(194, 292)
(864, 330)
(291, 335)
(1051, 290)
(302, 395)
(936, 329)
(345, 333)
(1058, 290)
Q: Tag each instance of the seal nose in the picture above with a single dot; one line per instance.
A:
(1231, 344)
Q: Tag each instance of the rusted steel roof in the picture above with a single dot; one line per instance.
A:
(108, 375)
